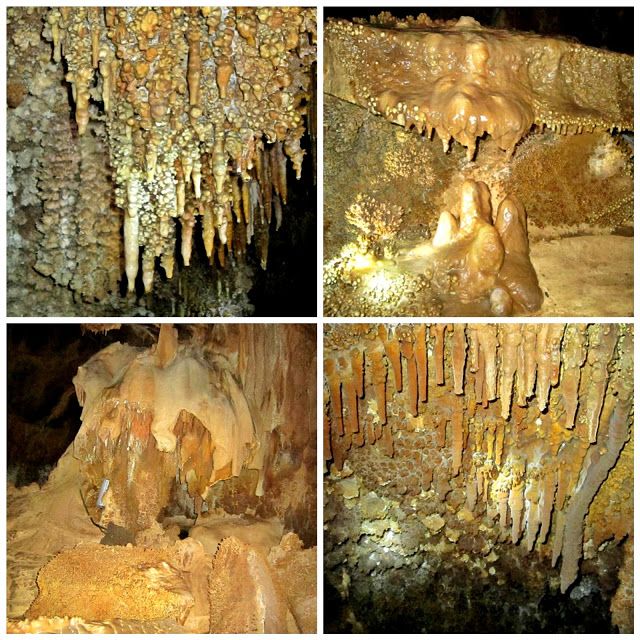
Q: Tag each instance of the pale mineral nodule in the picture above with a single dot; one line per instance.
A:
(476, 450)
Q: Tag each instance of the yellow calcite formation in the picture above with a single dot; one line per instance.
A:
(465, 81)
(201, 104)
(527, 420)
(162, 413)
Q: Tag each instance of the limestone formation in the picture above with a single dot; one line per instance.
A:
(204, 440)
(473, 80)
(499, 434)
(417, 111)
(183, 119)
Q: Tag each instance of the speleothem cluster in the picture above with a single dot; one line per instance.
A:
(208, 429)
(528, 117)
(462, 80)
(200, 109)
(187, 421)
(514, 427)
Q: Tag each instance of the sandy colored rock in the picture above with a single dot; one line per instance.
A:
(294, 569)
(256, 604)
(143, 585)
(210, 530)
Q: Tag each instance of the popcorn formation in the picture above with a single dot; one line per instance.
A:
(202, 108)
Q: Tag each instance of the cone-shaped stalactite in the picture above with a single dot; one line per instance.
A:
(528, 420)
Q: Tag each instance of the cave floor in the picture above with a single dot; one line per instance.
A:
(585, 275)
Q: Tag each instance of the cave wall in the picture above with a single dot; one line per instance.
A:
(282, 397)
(485, 463)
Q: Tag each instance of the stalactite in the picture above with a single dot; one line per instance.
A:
(333, 377)
(500, 427)
(349, 396)
(422, 363)
(574, 354)
(482, 431)
(548, 361)
(406, 349)
(516, 498)
(459, 356)
(392, 351)
(602, 342)
(457, 423)
(511, 338)
(326, 431)
(532, 505)
(547, 500)
(528, 364)
(357, 368)
(379, 382)
(189, 103)
(488, 345)
(437, 331)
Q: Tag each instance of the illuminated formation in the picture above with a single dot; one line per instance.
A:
(481, 427)
(210, 142)
(201, 110)
(417, 111)
(471, 256)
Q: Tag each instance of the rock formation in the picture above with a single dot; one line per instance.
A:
(418, 109)
(164, 429)
(475, 438)
(176, 120)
